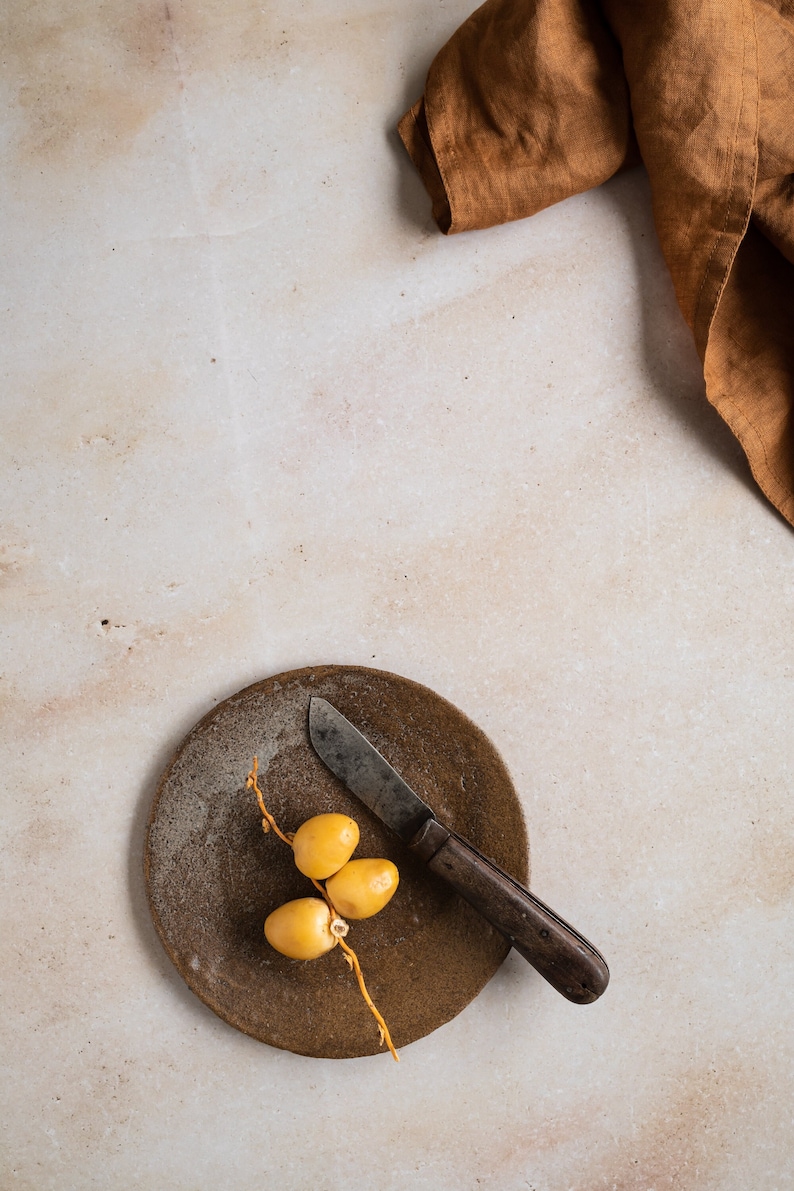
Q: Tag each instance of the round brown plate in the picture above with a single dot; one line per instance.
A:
(213, 876)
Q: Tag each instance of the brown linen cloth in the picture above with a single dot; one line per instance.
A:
(535, 100)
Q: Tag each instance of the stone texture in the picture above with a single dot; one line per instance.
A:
(259, 414)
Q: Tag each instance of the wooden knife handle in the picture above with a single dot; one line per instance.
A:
(555, 949)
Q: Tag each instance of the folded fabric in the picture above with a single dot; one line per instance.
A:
(532, 101)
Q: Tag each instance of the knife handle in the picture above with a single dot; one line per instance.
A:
(559, 953)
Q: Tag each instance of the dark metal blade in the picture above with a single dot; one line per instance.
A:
(371, 778)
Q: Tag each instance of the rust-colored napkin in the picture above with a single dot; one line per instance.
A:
(535, 100)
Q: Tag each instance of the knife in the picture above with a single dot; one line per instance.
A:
(558, 952)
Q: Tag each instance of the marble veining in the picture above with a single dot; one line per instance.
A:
(258, 414)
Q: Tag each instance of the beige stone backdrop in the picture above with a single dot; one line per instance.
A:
(259, 414)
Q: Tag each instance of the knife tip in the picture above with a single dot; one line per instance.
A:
(316, 708)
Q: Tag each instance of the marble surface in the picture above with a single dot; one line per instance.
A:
(258, 414)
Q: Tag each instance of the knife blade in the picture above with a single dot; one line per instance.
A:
(559, 953)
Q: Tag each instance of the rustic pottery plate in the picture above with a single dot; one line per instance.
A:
(213, 876)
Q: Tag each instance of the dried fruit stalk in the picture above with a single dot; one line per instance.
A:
(269, 824)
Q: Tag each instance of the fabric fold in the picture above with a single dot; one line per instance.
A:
(532, 101)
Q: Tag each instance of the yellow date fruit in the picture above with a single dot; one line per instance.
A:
(323, 844)
(363, 887)
(301, 929)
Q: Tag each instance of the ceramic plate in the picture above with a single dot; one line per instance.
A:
(213, 876)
